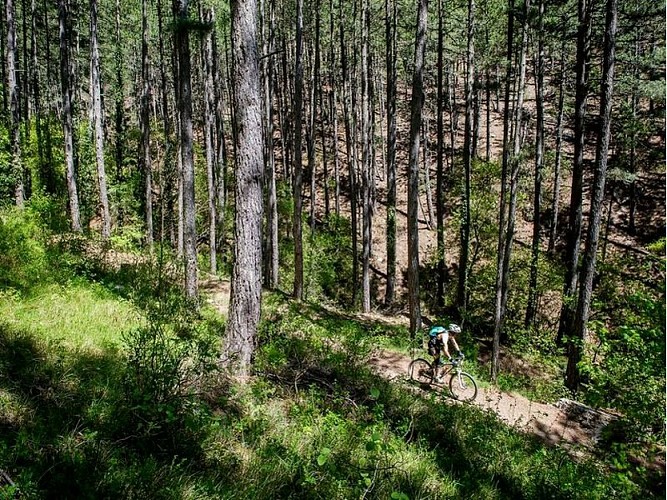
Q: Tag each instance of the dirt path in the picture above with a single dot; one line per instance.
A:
(570, 426)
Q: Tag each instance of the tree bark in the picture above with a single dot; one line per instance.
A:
(14, 116)
(531, 308)
(390, 46)
(579, 334)
(297, 229)
(440, 166)
(245, 301)
(272, 256)
(416, 105)
(210, 137)
(576, 195)
(187, 156)
(553, 231)
(68, 129)
(146, 127)
(499, 316)
(366, 157)
(468, 149)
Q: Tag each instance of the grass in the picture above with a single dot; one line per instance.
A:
(108, 389)
(81, 314)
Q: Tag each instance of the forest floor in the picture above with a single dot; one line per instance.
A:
(567, 424)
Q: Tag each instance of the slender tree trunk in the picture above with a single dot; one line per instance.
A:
(499, 316)
(210, 137)
(576, 196)
(427, 174)
(468, 151)
(632, 215)
(366, 156)
(48, 141)
(146, 126)
(222, 161)
(68, 129)
(553, 232)
(4, 22)
(311, 118)
(579, 334)
(187, 156)
(390, 44)
(119, 114)
(245, 301)
(515, 162)
(297, 230)
(350, 137)
(272, 256)
(440, 167)
(531, 308)
(97, 118)
(167, 173)
(14, 117)
(413, 169)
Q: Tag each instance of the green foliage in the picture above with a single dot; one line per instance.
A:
(23, 258)
(328, 262)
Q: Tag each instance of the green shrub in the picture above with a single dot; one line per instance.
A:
(23, 257)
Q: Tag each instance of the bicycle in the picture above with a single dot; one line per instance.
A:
(462, 385)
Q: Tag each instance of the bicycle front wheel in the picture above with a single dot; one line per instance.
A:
(463, 387)
(421, 371)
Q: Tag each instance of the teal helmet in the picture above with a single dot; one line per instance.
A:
(436, 330)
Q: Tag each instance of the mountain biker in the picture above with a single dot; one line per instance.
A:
(439, 338)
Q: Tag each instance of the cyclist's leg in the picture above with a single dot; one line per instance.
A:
(437, 367)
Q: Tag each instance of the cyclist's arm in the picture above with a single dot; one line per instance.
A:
(458, 349)
(445, 341)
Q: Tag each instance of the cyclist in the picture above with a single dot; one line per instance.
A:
(439, 338)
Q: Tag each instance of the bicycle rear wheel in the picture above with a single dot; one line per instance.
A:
(421, 371)
(463, 387)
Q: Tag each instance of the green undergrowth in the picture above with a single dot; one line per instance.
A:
(109, 389)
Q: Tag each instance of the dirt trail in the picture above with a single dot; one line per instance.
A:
(570, 426)
(554, 425)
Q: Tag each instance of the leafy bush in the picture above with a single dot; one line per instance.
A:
(23, 258)
(328, 262)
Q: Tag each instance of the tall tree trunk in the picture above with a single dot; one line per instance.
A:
(297, 230)
(3, 75)
(390, 41)
(187, 157)
(167, 172)
(315, 78)
(579, 334)
(210, 137)
(245, 301)
(413, 169)
(515, 162)
(468, 149)
(222, 160)
(553, 231)
(43, 168)
(14, 117)
(119, 115)
(440, 166)
(499, 316)
(427, 174)
(272, 256)
(531, 308)
(366, 156)
(48, 142)
(68, 129)
(350, 138)
(576, 195)
(146, 127)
